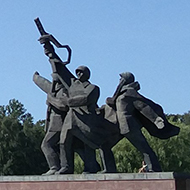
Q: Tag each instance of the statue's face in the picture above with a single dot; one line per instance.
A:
(122, 80)
(81, 76)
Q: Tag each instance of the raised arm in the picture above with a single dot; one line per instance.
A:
(43, 83)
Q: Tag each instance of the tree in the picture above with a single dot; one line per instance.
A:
(186, 118)
(20, 140)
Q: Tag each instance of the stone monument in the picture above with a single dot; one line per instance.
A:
(73, 114)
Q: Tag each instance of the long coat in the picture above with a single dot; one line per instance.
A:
(82, 120)
(135, 111)
(55, 116)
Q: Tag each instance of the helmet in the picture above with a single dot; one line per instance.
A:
(85, 70)
(129, 77)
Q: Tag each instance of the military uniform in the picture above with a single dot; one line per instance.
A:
(80, 122)
(53, 125)
(130, 126)
(133, 111)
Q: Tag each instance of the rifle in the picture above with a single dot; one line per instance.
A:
(58, 66)
(50, 38)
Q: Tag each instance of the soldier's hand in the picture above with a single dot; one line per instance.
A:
(159, 122)
(48, 49)
(44, 38)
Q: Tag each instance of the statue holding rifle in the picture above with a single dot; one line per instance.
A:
(55, 113)
(73, 115)
(57, 109)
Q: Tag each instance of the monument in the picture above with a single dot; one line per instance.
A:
(73, 114)
(76, 123)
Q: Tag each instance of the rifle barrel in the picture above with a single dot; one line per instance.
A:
(39, 26)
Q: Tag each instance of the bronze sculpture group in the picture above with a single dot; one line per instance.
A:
(75, 123)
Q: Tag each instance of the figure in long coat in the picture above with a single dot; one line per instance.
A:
(100, 135)
(133, 111)
(54, 119)
(81, 120)
(57, 110)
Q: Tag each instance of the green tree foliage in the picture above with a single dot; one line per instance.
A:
(127, 158)
(20, 145)
(20, 141)
(78, 164)
(186, 118)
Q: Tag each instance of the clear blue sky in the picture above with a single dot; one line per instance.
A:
(150, 38)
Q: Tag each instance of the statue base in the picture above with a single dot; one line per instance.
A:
(116, 181)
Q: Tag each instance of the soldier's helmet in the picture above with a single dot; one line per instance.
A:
(129, 77)
(85, 70)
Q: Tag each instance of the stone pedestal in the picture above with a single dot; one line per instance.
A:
(119, 181)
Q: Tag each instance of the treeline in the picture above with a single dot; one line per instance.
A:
(20, 141)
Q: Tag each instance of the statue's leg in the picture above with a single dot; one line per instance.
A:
(139, 141)
(106, 154)
(79, 148)
(48, 146)
(66, 155)
(108, 160)
(90, 163)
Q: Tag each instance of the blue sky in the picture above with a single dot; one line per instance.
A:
(150, 38)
